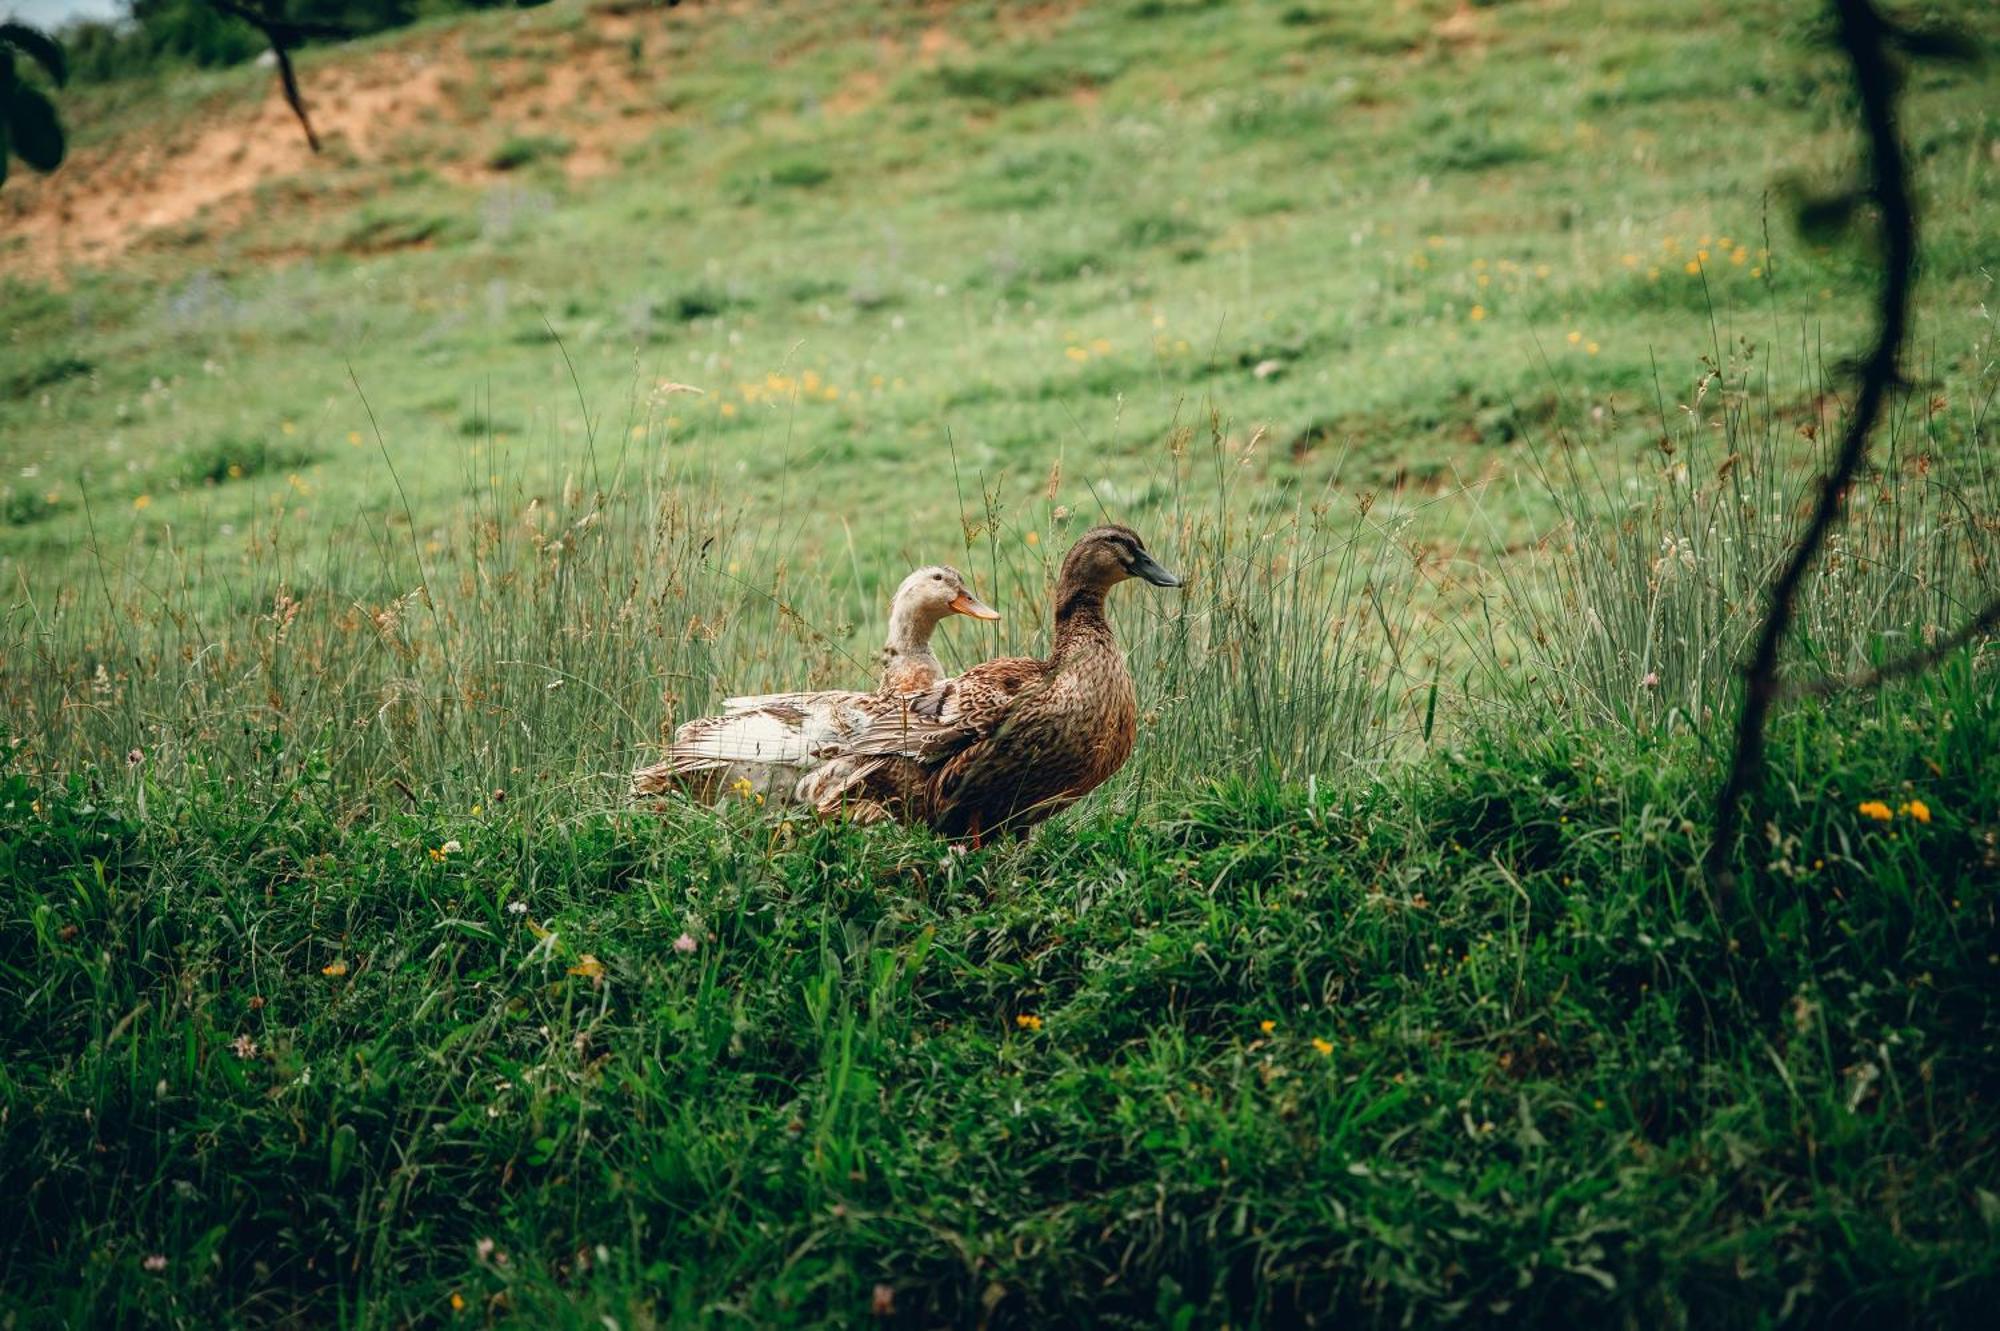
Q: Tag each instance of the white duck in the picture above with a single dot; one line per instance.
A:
(763, 743)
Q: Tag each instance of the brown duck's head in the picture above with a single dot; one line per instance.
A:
(930, 594)
(1105, 556)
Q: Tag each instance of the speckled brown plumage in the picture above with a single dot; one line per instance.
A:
(1012, 741)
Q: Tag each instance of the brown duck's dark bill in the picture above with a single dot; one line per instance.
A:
(1146, 567)
(965, 603)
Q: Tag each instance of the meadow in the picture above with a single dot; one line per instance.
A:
(363, 527)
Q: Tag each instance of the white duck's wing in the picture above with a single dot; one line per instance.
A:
(779, 729)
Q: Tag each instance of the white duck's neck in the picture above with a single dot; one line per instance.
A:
(909, 645)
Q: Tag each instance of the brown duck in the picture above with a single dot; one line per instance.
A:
(1012, 741)
(769, 740)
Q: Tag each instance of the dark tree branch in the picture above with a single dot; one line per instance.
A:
(283, 33)
(291, 83)
(1865, 37)
(1986, 621)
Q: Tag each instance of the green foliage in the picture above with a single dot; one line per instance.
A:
(527, 149)
(21, 507)
(236, 459)
(376, 232)
(1026, 73)
(48, 371)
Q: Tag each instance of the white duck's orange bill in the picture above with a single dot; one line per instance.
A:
(965, 603)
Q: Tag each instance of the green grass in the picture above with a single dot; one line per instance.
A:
(339, 984)
(1513, 1073)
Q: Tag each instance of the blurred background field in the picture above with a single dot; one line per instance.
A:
(365, 517)
(914, 257)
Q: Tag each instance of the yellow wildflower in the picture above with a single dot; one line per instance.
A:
(1325, 1047)
(143, 501)
(334, 968)
(1028, 1022)
(1034, 538)
(1877, 810)
(589, 967)
(1693, 267)
(1574, 337)
(457, 1302)
(1267, 1026)
(1476, 313)
(1918, 810)
(1076, 353)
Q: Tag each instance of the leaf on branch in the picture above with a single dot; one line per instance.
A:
(38, 46)
(37, 134)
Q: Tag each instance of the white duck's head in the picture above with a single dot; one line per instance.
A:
(926, 597)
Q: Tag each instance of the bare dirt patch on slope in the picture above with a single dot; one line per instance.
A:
(437, 100)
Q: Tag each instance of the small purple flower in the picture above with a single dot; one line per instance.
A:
(685, 944)
(1652, 679)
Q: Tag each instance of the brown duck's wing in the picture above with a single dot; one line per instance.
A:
(930, 726)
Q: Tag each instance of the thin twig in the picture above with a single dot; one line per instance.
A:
(282, 33)
(1916, 663)
(1864, 36)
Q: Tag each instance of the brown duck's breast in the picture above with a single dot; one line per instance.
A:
(1054, 747)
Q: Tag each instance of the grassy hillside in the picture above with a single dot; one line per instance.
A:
(362, 525)
(914, 257)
